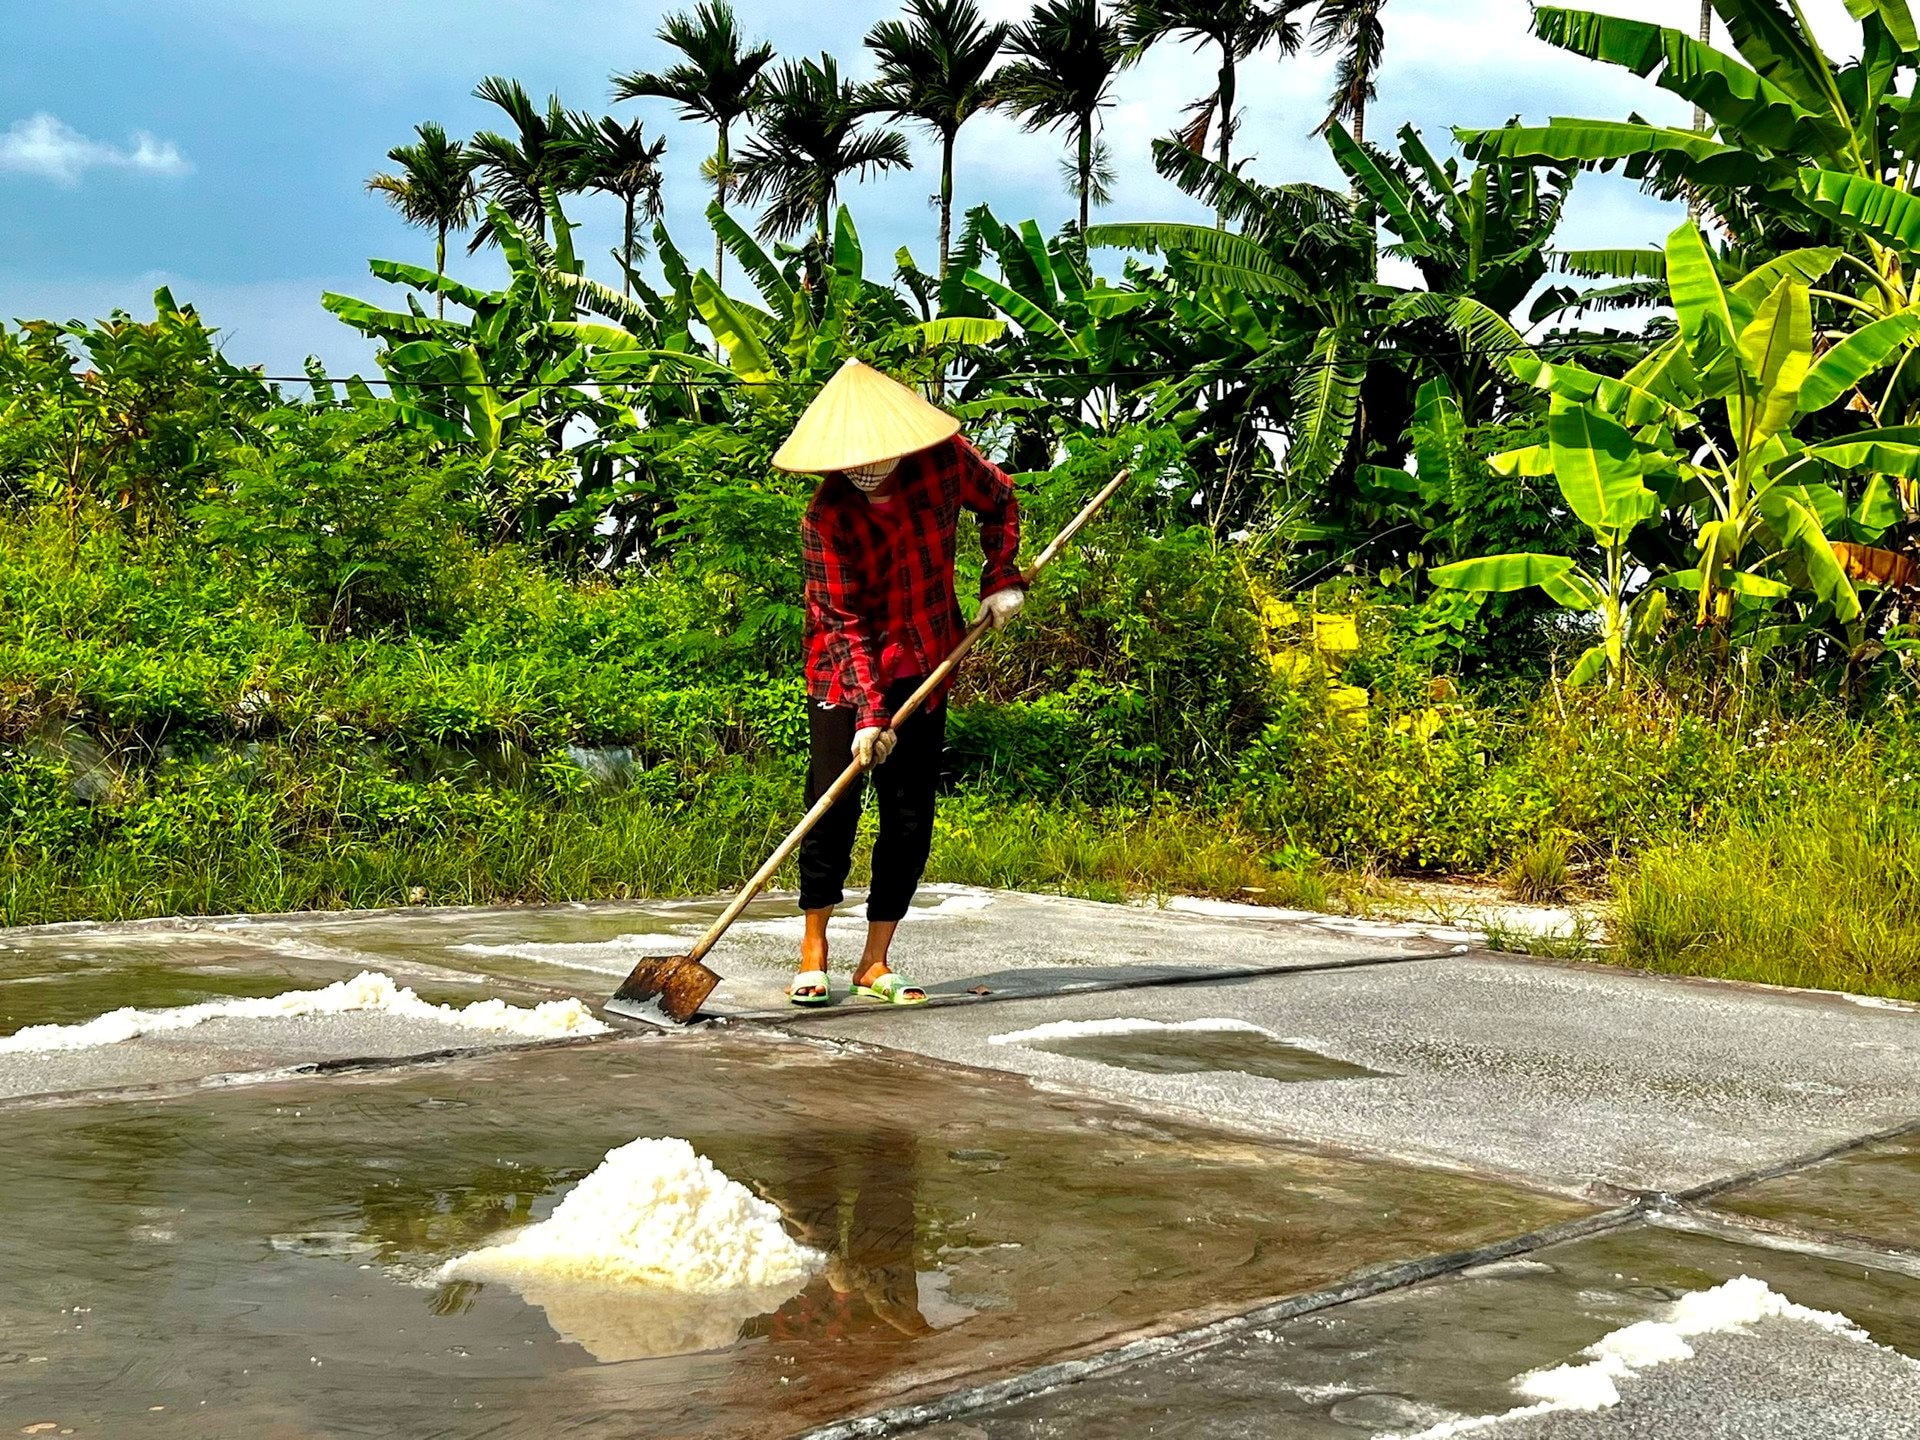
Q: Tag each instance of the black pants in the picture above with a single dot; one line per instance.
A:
(905, 785)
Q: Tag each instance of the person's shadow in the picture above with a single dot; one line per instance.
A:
(853, 1197)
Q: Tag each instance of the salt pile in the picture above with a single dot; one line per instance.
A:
(1737, 1304)
(657, 1252)
(369, 991)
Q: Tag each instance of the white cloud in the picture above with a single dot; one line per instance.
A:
(46, 147)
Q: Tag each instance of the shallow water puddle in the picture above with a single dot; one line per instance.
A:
(258, 1261)
(47, 985)
(1189, 1052)
(1872, 1193)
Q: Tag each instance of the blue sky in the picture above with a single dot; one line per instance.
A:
(221, 146)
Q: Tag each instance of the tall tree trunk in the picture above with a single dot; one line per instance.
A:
(1360, 119)
(721, 161)
(1706, 38)
(440, 271)
(1226, 121)
(826, 211)
(1694, 206)
(946, 196)
(626, 253)
(1086, 169)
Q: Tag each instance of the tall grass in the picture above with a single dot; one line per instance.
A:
(1825, 895)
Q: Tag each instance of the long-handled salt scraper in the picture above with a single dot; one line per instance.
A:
(681, 982)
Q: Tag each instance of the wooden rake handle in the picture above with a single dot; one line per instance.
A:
(851, 775)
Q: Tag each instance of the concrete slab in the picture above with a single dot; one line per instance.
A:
(1582, 1077)
(956, 939)
(1450, 1350)
(259, 1261)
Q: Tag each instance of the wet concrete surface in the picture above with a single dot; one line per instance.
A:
(281, 1230)
(1450, 1350)
(257, 1261)
(1581, 1077)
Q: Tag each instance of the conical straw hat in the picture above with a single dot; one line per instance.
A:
(861, 417)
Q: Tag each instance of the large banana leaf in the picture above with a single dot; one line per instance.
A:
(1888, 215)
(1894, 14)
(1399, 207)
(1894, 450)
(959, 330)
(420, 277)
(1619, 398)
(1810, 265)
(1602, 142)
(1248, 263)
(1532, 462)
(1598, 467)
(1856, 357)
(372, 320)
(1799, 530)
(1770, 40)
(1614, 264)
(1022, 311)
(766, 276)
(1559, 576)
(1778, 349)
(1742, 103)
(734, 330)
(1709, 318)
(1326, 400)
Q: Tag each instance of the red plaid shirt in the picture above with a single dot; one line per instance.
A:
(879, 576)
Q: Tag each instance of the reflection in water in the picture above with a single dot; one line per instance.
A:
(852, 1196)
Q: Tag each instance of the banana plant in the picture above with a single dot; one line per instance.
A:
(1602, 473)
(502, 376)
(1730, 425)
(1316, 342)
(815, 307)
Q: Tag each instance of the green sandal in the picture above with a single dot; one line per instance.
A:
(810, 987)
(891, 989)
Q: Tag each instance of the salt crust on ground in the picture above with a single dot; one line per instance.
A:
(369, 991)
(1065, 1029)
(657, 1252)
(1594, 1385)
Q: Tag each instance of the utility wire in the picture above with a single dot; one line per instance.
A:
(1550, 345)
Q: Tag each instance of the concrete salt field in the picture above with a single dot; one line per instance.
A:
(1427, 1173)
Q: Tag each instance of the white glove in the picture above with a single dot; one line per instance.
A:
(1003, 605)
(873, 745)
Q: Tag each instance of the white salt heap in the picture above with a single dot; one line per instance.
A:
(655, 1213)
(655, 1253)
(1594, 1385)
(368, 991)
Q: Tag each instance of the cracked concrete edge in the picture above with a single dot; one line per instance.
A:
(957, 1404)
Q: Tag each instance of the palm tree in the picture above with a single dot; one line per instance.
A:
(715, 83)
(433, 189)
(810, 135)
(933, 69)
(522, 171)
(1353, 28)
(617, 160)
(1240, 28)
(1070, 51)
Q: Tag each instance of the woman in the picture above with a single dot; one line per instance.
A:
(878, 546)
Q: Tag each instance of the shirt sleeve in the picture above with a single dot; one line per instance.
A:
(988, 493)
(834, 595)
